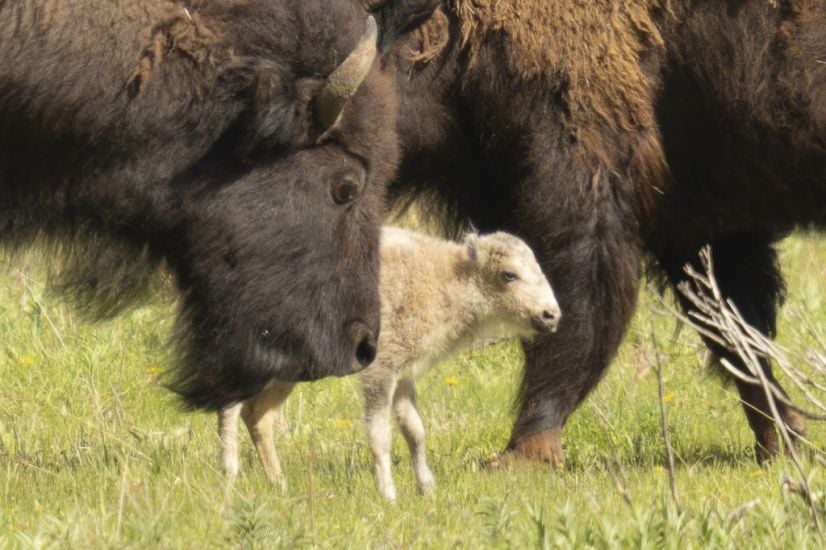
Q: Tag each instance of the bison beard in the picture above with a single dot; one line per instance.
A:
(210, 137)
(606, 133)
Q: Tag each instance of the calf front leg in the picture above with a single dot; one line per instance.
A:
(412, 427)
(259, 416)
(379, 387)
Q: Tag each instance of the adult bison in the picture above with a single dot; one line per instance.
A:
(245, 144)
(607, 133)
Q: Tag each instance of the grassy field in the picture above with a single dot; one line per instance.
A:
(95, 453)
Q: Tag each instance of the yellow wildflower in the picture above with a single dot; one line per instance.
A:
(668, 398)
(451, 381)
(342, 423)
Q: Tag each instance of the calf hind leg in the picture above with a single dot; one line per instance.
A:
(259, 416)
(748, 274)
(412, 427)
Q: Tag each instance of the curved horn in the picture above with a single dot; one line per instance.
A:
(346, 79)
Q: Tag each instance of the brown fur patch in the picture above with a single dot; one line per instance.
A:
(599, 50)
(182, 32)
(430, 38)
(598, 46)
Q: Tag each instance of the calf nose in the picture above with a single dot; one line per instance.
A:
(550, 319)
(364, 346)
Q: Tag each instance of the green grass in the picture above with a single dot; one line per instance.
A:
(95, 453)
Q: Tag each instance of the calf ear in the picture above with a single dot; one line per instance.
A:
(398, 17)
(471, 243)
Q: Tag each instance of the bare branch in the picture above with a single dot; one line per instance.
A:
(719, 320)
(622, 485)
(669, 452)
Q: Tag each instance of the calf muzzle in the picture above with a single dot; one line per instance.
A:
(547, 321)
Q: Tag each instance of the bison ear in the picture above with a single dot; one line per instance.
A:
(399, 17)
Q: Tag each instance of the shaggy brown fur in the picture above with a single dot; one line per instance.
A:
(184, 32)
(599, 49)
(604, 72)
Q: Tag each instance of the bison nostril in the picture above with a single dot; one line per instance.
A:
(364, 345)
(366, 350)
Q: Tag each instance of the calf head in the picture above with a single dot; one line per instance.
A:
(519, 293)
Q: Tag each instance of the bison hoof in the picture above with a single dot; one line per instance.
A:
(508, 458)
(540, 447)
(544, 446)
(769, 442)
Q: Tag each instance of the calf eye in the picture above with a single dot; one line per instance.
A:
(345, 189)
(509, 276)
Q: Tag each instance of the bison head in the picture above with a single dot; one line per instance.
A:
(245, 144)
(280, 280)
(277, 255)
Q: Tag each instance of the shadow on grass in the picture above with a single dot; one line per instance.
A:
(708, 455)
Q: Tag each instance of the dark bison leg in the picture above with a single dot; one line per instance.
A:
(592, 258)
(747, 272)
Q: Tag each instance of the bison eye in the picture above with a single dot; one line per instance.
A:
(345, 189)
(509, 276)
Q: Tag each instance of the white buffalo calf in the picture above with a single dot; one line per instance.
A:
(438, 299)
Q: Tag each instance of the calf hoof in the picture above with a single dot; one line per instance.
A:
(280, 482)
(388, 493)
(230, 468)
(543, 447)
(427, 484)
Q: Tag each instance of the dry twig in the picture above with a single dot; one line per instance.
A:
(719, 320)
(669, 451)
(621, 484)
